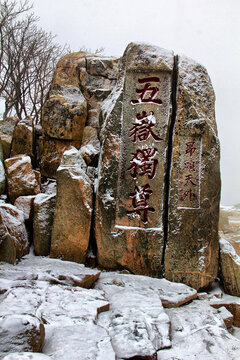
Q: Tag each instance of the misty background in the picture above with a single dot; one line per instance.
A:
(206, 30)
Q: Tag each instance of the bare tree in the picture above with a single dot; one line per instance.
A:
(28, 57)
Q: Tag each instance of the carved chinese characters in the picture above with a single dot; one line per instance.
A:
(192, 242)
(146, 110)
(189, 165)
(158, 180)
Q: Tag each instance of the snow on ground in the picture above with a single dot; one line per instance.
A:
(111, 316)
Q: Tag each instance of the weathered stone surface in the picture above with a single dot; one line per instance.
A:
(230, 264)
(51, 151)
(64, 113)
(85, 341)
(21, 178)
(44, 206)
(136, 126)
(22, 142)
(171, 294)
(25, 204)
(229, 232)
(73, 212)
(13, 235)
(90, 148)
(20, 332)
(192, 249)
(6, 144)
(199, 333)
(7, 127)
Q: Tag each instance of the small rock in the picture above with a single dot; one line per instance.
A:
(21, 333)
(22, 142)
(25, 204)
(231, 303)
(21, 178)
(13, 234)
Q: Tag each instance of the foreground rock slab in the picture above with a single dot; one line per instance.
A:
(85, 342)
(171, 294)
(26, 356)
(199, 333)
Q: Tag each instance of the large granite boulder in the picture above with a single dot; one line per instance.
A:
(13, 234)
(159, 182)
(21, 178)
(194, 181)
(229, 231)
(73, 212)
(131, 191)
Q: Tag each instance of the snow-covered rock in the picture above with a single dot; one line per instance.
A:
(199, 333)
(229, 231)
(171, 294)
(84, 342)
(26, 356)
(231, 303)
(20, 332)
(13, 234)
(121, 316)
(22, 142)
(25, 204)
(21, 178)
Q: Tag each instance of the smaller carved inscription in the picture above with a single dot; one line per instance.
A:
(189, 173)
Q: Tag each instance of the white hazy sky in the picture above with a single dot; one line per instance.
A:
(206, 30)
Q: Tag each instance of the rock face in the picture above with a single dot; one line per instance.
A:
(73, 212)
(159, 180)
(13, 234)
(44, 206)
(229, 231)
(81, 82)
(193, 207)
(131, 191)
(22, 142)
(21, 178)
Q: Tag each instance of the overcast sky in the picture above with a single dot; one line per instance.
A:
(206, 30)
